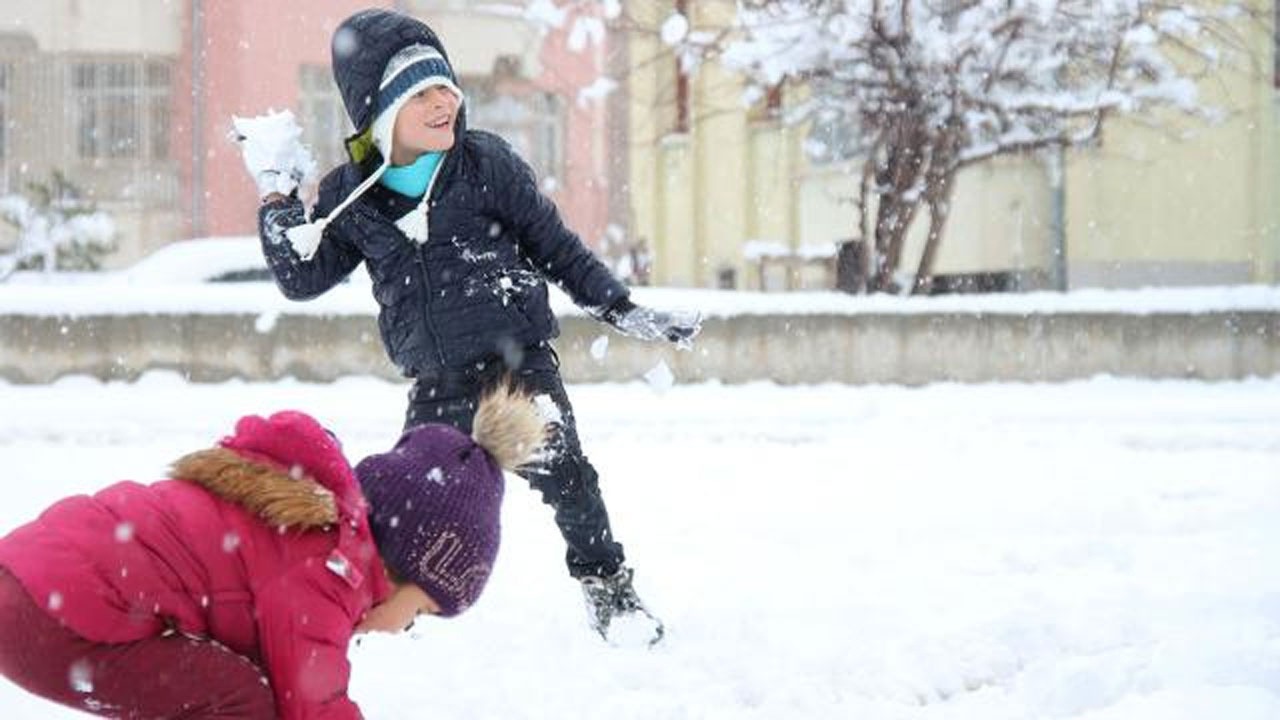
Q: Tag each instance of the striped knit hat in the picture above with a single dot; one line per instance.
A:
(410, 71)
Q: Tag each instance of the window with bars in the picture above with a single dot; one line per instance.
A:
(6, 72)
(533, 122)
(833, 133)
(325, 125)
(122, 109)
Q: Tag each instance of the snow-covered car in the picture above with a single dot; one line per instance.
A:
(184, 262)
(215, 259)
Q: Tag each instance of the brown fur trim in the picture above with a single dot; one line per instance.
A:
(509, 427)
(281, 500)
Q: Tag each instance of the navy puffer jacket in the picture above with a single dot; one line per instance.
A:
(477, 287)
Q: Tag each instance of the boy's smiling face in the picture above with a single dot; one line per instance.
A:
(424, 124)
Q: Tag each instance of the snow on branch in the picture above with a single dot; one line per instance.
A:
(1004, 72)
(922, 88)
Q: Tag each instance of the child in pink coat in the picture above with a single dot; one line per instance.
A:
(232, 589)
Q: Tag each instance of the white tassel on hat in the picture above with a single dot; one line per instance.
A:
(306, 238)
(414, 224)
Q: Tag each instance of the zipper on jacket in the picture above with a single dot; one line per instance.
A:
(422, 261)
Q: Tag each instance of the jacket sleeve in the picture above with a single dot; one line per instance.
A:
(334, 260)
(304, 626)
(555, 250)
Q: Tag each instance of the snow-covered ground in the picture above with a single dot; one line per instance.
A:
(1096, 550)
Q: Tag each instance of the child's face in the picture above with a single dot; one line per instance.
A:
(424, 124)
(397, 612)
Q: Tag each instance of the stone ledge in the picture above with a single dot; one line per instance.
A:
(907, 349)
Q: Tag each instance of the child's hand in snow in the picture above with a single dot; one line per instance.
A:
(273, 151)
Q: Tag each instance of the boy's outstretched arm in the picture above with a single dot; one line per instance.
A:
(276, 159)
(562, 257)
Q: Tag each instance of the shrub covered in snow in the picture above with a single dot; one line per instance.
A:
(56, 229)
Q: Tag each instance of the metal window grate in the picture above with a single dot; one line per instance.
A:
(122, 108)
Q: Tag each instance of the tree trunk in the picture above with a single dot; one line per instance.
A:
(892, 224)
(939, 212)
(910, 164)
(897, 183)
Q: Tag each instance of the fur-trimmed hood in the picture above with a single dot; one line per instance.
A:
(280, 498)
(284, 468)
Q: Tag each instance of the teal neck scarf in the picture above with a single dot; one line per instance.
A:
(413, 180)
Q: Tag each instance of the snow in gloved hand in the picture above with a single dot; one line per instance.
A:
(272, 148)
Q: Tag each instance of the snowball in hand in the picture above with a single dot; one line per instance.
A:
(273, 151)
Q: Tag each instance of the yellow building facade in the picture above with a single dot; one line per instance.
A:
(709, 179)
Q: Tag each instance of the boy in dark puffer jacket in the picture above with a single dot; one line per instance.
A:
(459, 243)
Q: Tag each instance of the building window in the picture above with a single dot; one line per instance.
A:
(158, 109)
(325, 125)
(122, 109)
(833, 133)
(6, 74)
(532, 121)
(6, 123)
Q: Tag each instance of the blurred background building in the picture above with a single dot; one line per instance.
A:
(718, 190)
(132, 101)
(669, 175)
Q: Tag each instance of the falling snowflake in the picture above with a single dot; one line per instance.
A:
(266, 322)
(80, 676)
(548, 409)
(660, 377)
(599, 347)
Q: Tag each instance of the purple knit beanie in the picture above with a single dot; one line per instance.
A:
(434, 505)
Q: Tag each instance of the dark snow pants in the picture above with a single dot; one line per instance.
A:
(171, 676)
(567, 481)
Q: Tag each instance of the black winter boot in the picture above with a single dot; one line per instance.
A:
(615, 611)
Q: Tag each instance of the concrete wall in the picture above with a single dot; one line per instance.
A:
(868, 348)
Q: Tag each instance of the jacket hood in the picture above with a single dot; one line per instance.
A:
(282, 501)
(285, 468)
(361, 48)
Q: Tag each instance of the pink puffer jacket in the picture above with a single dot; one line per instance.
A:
(261, 543)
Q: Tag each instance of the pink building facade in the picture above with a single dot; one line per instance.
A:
(240, 59)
